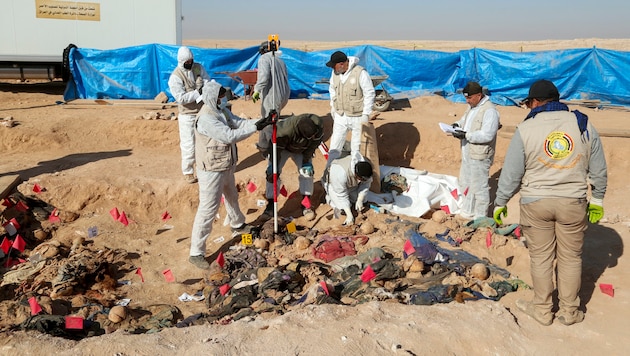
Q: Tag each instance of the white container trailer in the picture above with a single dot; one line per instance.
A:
(36, 35)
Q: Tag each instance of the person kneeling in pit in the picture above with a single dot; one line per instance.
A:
(345, 186)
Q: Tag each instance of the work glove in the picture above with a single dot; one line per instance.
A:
(358, 206)
(264, 122)
(307, 170)
(595, 210)
(459, 134)
(255, 96)
(498, 211)
(349, 218)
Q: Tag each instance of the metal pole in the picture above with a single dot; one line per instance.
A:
(274, 150)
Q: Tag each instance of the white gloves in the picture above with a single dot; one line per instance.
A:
(365, 118)
(349, 217)
(358, 206)
(196, 96)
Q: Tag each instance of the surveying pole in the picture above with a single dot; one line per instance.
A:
(273, 43)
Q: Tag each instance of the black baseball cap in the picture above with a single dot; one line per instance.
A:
(337, 57)
(542, 90)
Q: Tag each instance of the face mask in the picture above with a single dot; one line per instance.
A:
(188, 65)
(223, 103)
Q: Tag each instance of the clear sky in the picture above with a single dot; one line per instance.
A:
(352, 20)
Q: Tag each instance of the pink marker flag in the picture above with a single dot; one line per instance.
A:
(139, 273)
(607, 289)
(221, 259)
(517, 232)
(408, 248)
(168, 275)
(368, 274)
(454, 193)
(20, 206)
(166, 216)
(37, 188)
(123, 219)
(489, 239)
(446, 209)
(54, 216)
(15, 223)
(283, 191)
(222, 199)
(466, 191)
(306, 202)
(74, 322)
(35, 307)
(114, 213)
(224, 289)
(5, 245)
(18, 243)
(6, 202)
(251, 187)
(324, 287)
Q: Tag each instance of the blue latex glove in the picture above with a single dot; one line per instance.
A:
(307, 169)
(595, 210)
(498, 212)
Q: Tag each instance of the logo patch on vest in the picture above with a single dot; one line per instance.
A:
(558, 145)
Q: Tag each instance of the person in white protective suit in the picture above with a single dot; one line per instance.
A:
(346, 186)
(217, 131)
(477, 132)
(186, 83)
(272, 85)
(351, 101)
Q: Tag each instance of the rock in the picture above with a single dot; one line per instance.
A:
(480, 271)
(366, 228)
(439, 216)
(302, 243)
(262, 244)
(117, 314)
(40, 235)
(162, 98)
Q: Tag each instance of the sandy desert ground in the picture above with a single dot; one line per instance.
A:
(91, 158)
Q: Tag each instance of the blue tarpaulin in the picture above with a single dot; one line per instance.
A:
(142, 72)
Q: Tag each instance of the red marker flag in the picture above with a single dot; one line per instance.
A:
(114, 213)
(454, 193)
(324, 287)
(408, 248)
(35, 307)
(8, 203)
(54, 216)
(221, 259)
(283, 191)
(168, 275)
(489, 239)
(123, 219)
(19, 243)
(251, 187)
(607, 289)
(15, 223)
(446, 209)
(37, 188)
(74, 322)
(20, 206)
(139, 273)
(368, 274)
(466, 191)
(224, 289)
(306, 202)
(5, 245)
(166, 216)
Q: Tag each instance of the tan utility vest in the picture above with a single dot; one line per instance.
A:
(194, 107)
(349, 95)
(556, 159)
(213, 155)
(480, 151)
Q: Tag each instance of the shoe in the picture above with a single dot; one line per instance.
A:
(243, 229)
(199, 262)
(308, 214)
(571, 318)
(190, 178)
(529, 309)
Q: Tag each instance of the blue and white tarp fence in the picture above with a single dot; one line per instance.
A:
(142, 72)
